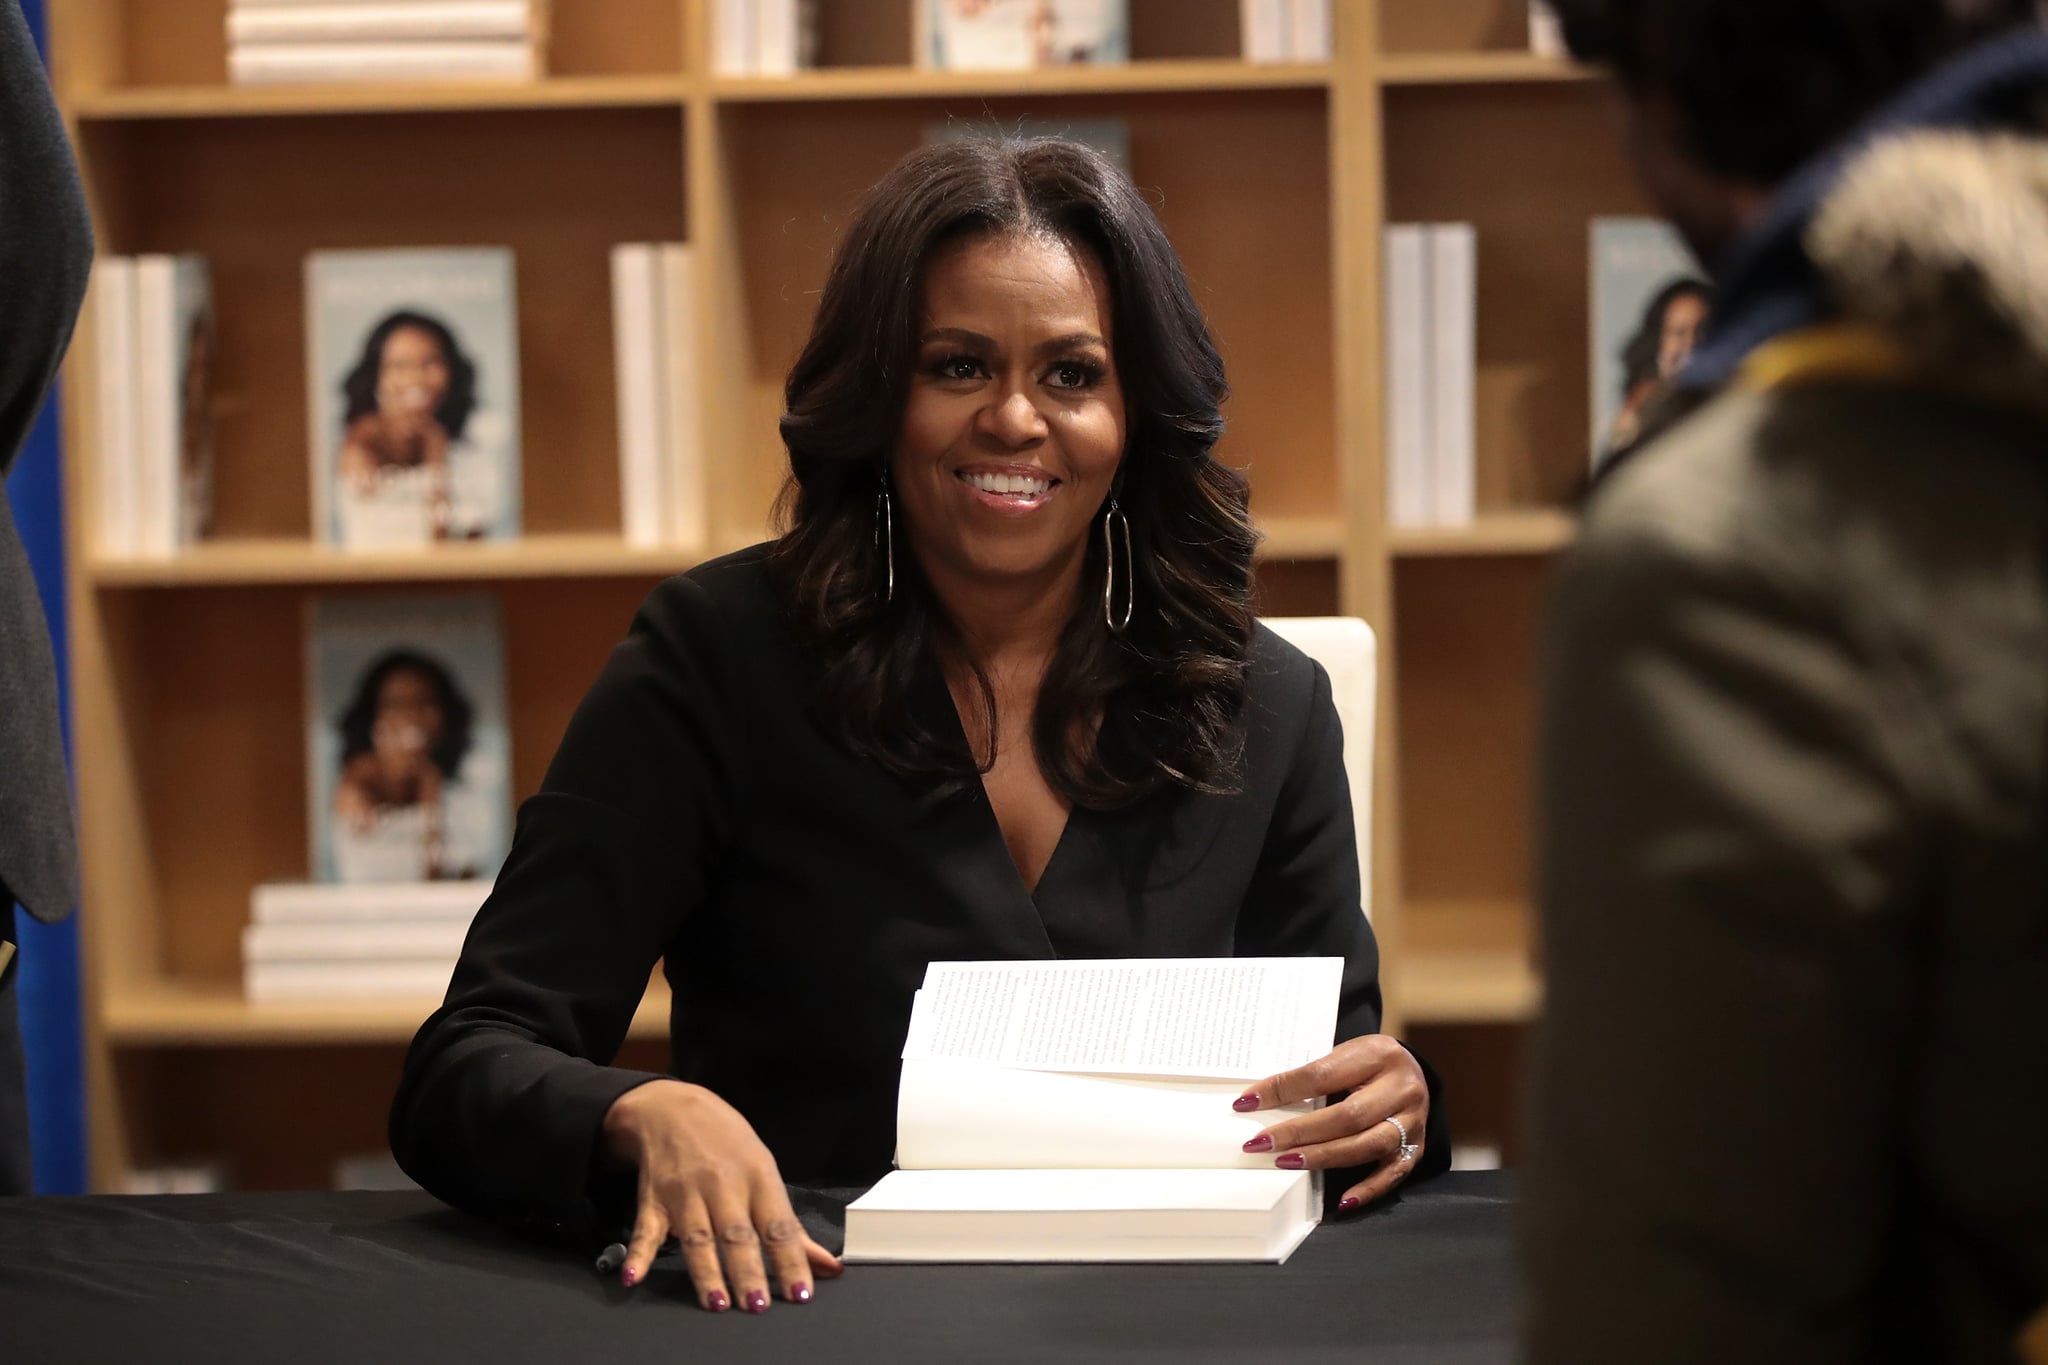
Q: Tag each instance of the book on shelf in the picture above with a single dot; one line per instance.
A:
(408, 751)
(1546, 31)
(1279, 31)
(1431, 325)
(654, 342)
(308, 941)
(156, 361)
(1110, 136)
(1017, 35)
(1082, 1111)
(341, 41)
(1651, 302)
(764, 37)
(367, 903)
(414, 396)
(378, 21)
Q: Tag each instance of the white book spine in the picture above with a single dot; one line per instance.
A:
(390, 20)
(428, 943)
(732, 37)
(1454, 301)
(775, 38)
(685, 478)
(1408, 353)
(343, 62)
(1264, 26)
(637, 340)
(157, 395)
(300, 982)
(118, 469)
(357, 902)
(1546, 32)
(1308, 31)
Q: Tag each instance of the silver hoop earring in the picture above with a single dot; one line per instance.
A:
(885, 541)
(1114, 521)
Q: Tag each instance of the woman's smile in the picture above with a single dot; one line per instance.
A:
(1008, 490)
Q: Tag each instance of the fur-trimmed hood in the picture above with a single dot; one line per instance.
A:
(1931, 222)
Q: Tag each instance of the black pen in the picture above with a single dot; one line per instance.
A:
(611, 1258)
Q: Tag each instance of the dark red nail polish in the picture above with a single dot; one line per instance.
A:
(629, 1277)
(716, 1301)
(1347, 1203)
(802, 1293)
(1262, 1143)
(757, 1300)
(1245, 1104)
(1290, 1161)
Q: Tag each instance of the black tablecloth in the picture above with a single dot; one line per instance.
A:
(235, 1279)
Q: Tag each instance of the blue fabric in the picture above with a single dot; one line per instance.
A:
(1768, 285)
(47, 979)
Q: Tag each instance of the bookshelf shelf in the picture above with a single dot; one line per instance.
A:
(209, 1013)
(1478, 68)
(1537, 531)
(903, 83)
(229, 562)
(1301, 537)
(263, 101)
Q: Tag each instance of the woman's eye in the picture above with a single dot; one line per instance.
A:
(959, 367)
(1074, 374)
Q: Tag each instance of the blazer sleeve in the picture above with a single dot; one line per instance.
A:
(45, 234)
(1726, 852)
(505, 1088)
(1305, 900)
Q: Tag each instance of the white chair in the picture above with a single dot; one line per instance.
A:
(1348, 652)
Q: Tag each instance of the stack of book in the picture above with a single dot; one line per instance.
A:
(409, 806)
(1279, 31)
(764, 37)
(1015, 35)
(154, 319)
(1432, 324)
(654, 340)
(273, 42)
(343, 942)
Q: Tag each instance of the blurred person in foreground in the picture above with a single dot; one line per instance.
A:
(45, 254)
(1791, 1093)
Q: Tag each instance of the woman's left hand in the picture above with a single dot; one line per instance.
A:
(1379, 1080)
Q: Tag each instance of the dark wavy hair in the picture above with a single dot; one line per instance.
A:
(1119, 715)
(359, 390)
(1762, 88)
(457, 715)
(1644, 350)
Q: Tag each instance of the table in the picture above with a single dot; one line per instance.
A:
(228, 1279)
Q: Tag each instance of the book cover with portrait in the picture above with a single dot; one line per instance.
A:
(408, 752)
(414, 385)
(1651, 303)
(992, 35)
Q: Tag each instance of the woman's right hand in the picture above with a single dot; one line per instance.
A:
(706, 1177)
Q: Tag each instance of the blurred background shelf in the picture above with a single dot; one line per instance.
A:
(902, 83)
(190, 1014)
(1536, 531)
(261, 101)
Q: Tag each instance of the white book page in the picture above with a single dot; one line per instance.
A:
(965, 1115)
(1230, 1019)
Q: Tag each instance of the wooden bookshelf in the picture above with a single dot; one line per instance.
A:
(1274, 182)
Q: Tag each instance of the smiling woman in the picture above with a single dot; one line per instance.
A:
(997, 692)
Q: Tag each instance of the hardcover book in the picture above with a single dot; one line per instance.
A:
(989, 35)
(1651, 303)
(414, 385)
(408, 754)
(1082, 1111)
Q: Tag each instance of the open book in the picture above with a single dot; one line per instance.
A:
(1081, 1111)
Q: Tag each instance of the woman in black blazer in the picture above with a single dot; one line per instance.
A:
(997, 692)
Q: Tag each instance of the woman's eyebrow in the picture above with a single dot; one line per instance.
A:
(1071, 341)
(959, 336)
